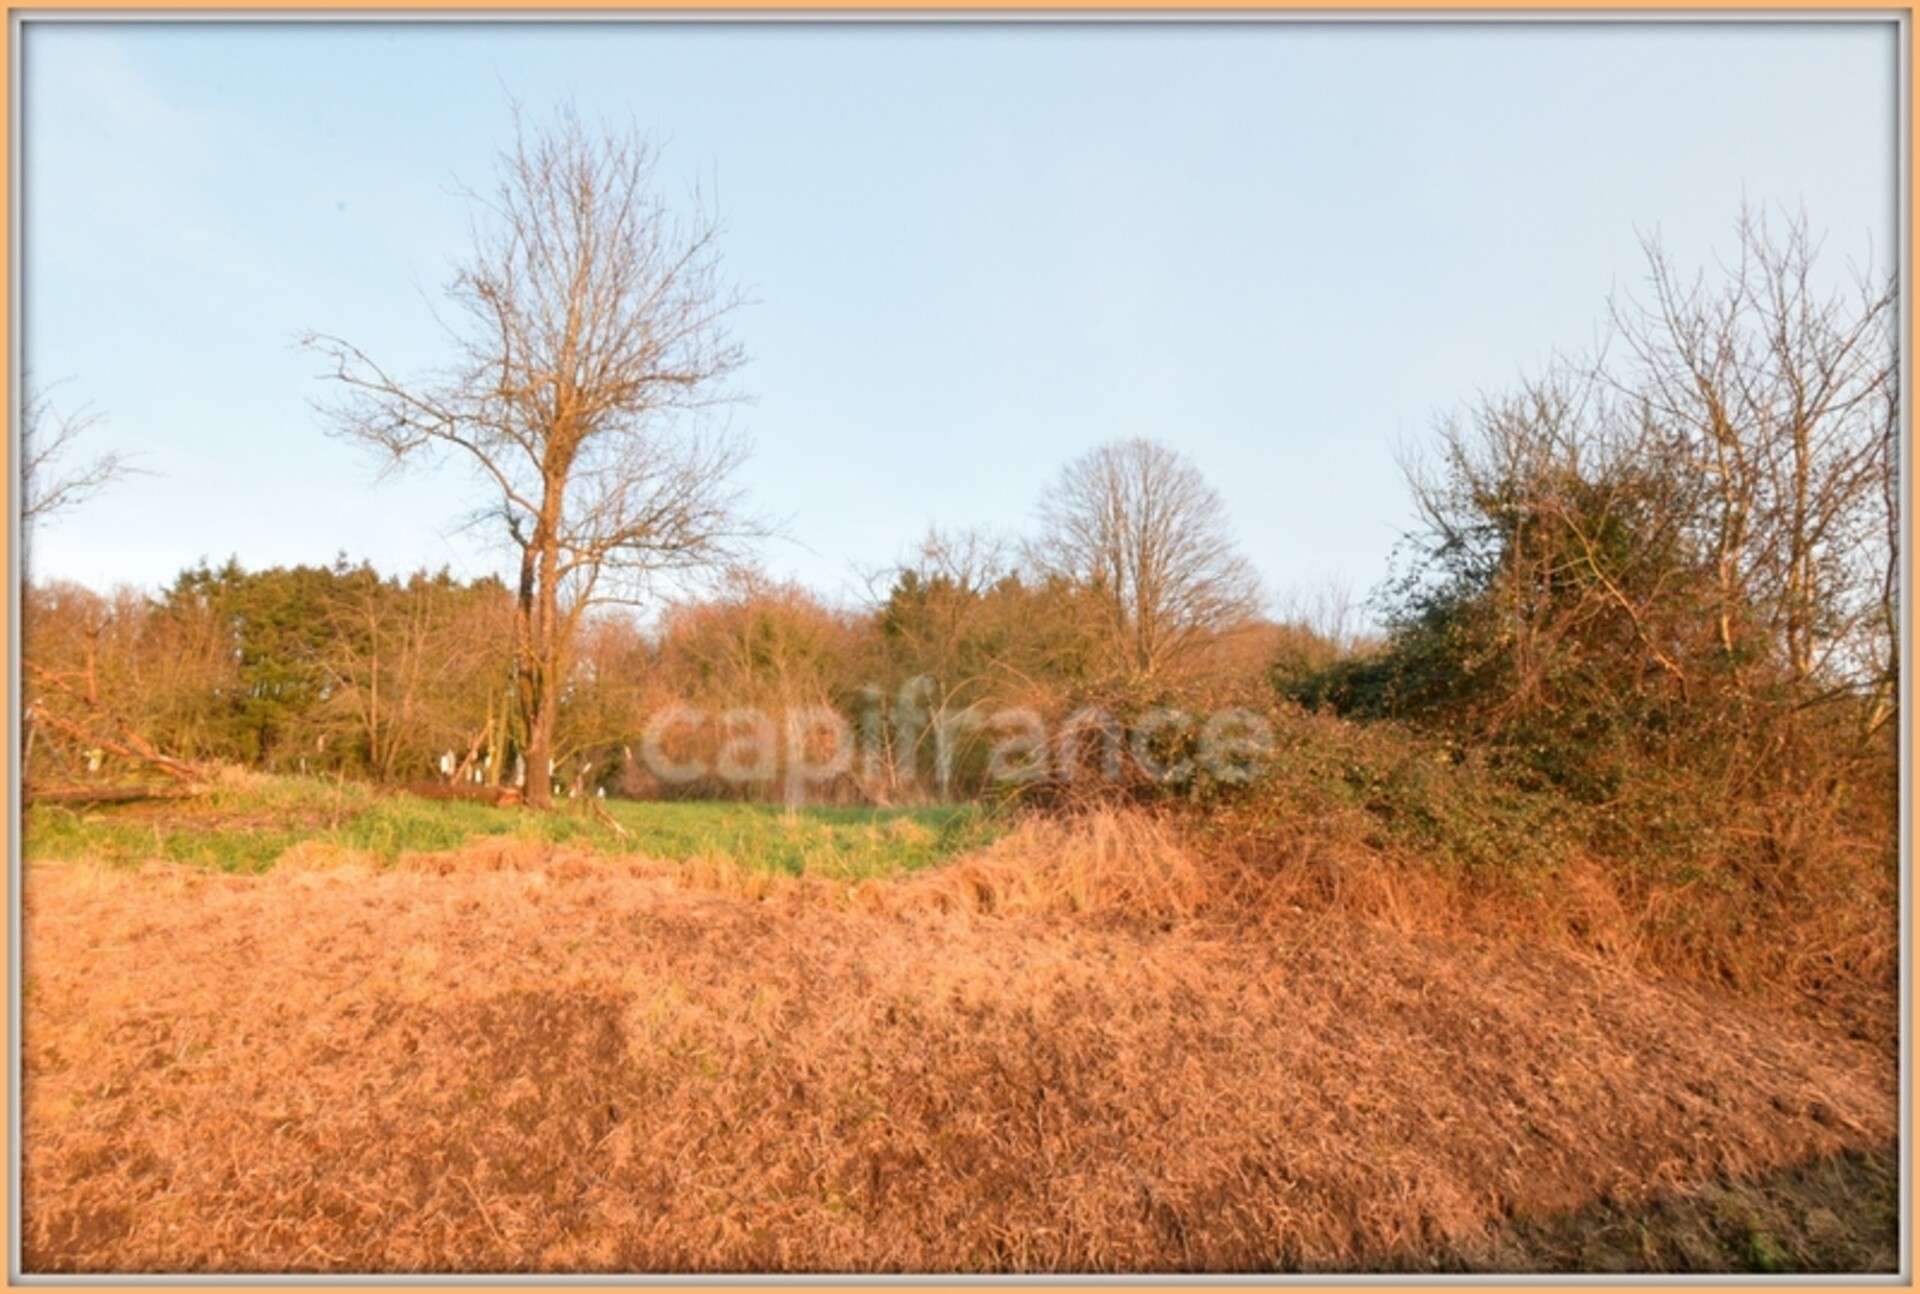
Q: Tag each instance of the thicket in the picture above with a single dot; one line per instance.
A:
(1657, 592)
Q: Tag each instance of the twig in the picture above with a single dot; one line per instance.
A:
(481, 1206)
(600, 812)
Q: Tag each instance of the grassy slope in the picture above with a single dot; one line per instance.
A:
(768, 1068)
(582, 1064)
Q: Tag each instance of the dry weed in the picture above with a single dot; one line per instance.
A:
(326, 856)
(531, 1058)
(1101, 861)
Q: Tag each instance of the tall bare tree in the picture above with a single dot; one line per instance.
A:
(591, 321)
(1138, 523)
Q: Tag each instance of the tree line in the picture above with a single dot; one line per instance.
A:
(342, 670)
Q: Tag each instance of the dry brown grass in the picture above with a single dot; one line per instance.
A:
(1825, 946)
(1075, 1051)
(1103, 861)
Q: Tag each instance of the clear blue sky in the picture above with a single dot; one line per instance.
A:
(975, 250)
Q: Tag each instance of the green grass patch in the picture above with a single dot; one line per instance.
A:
(839, 843)
(246, 828)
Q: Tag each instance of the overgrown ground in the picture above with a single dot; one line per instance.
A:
(1059, 1050)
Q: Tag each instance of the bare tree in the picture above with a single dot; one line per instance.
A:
(1137, 522)
(1780, 394)
(1686, 547)
(591, 321)
(51, 483)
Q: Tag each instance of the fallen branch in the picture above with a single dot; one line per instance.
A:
(473, 751)
(501, 796)
(87, 795)
(128, 745)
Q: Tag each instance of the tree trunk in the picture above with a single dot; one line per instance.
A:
(525, 701)
(547, 663)
(539, 792)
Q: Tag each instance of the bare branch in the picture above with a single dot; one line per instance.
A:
(50, 483)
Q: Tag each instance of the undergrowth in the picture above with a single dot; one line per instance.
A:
(1771, 895)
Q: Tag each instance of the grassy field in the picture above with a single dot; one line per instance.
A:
(512, 1042)
(250, 825)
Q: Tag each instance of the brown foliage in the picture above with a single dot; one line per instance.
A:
(527, 1058)
(114, 678)
(1788, 898)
